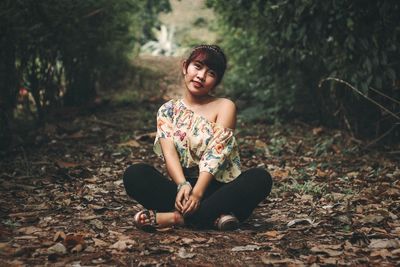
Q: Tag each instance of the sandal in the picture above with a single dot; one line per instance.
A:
(147, 226)
(227, 222)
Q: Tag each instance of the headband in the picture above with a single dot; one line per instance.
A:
(214, 48)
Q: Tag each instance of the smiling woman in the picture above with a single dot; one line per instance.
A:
(195, 136)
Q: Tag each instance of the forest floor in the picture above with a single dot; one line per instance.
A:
(335, 201)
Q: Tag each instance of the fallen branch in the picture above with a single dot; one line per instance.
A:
(360, 93)
(382, 136)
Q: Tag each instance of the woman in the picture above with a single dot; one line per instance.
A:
(195, 137)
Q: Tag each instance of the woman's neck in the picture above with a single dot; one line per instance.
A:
(197, 100)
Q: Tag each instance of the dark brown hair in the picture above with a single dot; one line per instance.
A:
(210, 55)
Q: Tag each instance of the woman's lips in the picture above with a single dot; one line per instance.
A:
(197, 84)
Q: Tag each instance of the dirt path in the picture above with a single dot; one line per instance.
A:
(63, 203)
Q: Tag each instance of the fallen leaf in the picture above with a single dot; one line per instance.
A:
(300, 221)
(321, 174)
(385, 243)
(187, 241)
(184, 254)
(60, 235)
(122, 245)
(99, 242)
(72, 241)
(97, 223)
(170, 240)
(58, 249)
(270, 234)
(130, 143)
(328, 250)
(317, 130)
(66, 165)
(77, 248)
(90, 249)
(352, 175)
(29, 230)
(246, 248)
(372, 219)
(383, 253)
(280, 174)
(200, 240)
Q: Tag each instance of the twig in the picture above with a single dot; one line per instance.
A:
(381, 137)
(388, 97)
(360, 93)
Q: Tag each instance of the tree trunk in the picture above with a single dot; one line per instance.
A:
(8, 88)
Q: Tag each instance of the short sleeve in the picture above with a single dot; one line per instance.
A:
(164, 125)
(218, 150)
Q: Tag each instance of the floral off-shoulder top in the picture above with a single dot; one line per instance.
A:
(198, 141)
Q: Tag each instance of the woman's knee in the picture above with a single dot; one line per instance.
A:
(260, 179)
(135, 173)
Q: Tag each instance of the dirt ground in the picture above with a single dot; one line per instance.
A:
(335, 201)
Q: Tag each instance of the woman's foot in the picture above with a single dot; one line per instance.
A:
(149, 220)
(227, 222)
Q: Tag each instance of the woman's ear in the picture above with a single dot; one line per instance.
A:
(184, 67)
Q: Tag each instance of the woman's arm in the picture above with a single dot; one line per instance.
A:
(175, 171)
(171, 157)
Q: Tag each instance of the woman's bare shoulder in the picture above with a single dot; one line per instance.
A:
(225, 104)
(226, 114)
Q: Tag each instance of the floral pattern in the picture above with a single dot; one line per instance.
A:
(198, 141)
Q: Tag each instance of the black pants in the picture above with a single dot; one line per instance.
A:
(240, 197)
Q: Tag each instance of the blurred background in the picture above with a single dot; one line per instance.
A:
(334, 63)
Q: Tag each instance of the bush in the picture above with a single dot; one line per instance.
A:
(56, 51)
(281, 50)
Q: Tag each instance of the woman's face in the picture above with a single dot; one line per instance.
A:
(199, 79)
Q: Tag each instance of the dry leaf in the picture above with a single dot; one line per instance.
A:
(270, 234)
(300, 221)
(77, 248)
(66, 165)
(57, 249)
(99, 242)
(185, 255)
(317, 131)
(383, 253)
(186, 241)
(130, 143)
(122, 245)
(328, 250)
(384, 243)
(29, 230)
(246, 248)
(372, 219)
(352, 175)
(60, 235)
(97, 223)
(73, 240)
(170, 240)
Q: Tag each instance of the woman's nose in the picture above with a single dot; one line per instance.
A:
(201, 74)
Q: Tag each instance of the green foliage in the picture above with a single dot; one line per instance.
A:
(279, 51)
(60, 50)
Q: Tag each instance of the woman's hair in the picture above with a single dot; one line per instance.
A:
(210, 55)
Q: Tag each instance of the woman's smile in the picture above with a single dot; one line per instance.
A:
(197, 84)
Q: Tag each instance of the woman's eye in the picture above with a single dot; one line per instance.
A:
(197, 66)
(212, 74)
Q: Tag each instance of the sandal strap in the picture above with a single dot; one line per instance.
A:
(150, 215)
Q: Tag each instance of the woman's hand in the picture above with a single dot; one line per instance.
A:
(192, 204)
(182, 197)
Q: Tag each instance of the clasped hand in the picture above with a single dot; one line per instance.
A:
(186, 201)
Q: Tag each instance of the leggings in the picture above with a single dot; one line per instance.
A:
(240, 197)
